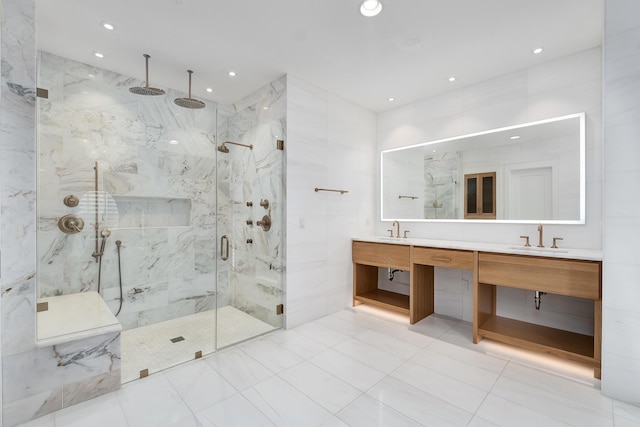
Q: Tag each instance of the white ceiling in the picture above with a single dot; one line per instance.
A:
(407, 52)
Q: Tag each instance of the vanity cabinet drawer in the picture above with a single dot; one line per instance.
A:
(556, 276)
(443, 258)
(381, 255)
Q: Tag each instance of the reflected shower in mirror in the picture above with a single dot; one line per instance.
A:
(538, 172)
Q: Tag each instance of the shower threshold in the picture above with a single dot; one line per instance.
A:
(163, 345)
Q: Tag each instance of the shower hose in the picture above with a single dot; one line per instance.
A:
(118, 244)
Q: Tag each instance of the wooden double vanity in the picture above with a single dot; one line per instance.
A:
(575, 273)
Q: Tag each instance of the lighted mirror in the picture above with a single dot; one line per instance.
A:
(538, 171)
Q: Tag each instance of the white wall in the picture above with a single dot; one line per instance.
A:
(621, 290)
(564, 86)
(330, 144)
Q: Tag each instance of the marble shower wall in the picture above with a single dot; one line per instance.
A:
(157, 197)
(254, 271)
(35, 380)
(442, 185)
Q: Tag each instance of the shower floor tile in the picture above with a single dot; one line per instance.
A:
(151, 347)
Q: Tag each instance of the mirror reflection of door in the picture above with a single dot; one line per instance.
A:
(531, 194)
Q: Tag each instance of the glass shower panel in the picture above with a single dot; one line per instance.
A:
(250, 217)
(143, 172)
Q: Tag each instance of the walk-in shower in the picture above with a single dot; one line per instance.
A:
(150, 214)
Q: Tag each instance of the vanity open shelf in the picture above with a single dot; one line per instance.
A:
(579, 277)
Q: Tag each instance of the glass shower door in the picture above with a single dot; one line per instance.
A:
(250, 221)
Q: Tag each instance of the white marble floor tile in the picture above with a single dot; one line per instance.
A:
(190, 421)
(320, 333)
(348, 369)
(504, 413)
(334, 421)
(547, 403)
(342, 326)
(284, 405)
(103, 411)
(370, 355)
(469, 374)
(325, 389)
(481, 422)
(418, 405)
(270, 354)
(626, 411)
(404, 333)
(457, 393)
(625, 422)
(584, 394)
(316, 375)
(388, 343)
(237, 367)
(297, 343)
(152, 401)
(199, 384)
(234, 411)
(45, 421)
(366, 411)
(493, 361)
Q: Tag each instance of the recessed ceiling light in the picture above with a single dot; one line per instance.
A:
(370, 8)
(391, 99)
(90, 76)
(515, 137)
(232, 73)
(265, 108)
(108, 26)
(174, 142)
(98, 55)
(452, 79)
(537, 50)
(209, 90)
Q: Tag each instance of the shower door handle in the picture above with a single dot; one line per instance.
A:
(224, 247)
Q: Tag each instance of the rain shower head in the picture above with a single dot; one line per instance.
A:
(224, 149)
(146, 90)
(189, 102)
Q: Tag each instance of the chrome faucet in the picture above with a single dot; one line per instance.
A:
(540, 245)
(397, 224)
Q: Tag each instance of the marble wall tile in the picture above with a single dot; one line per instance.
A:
(330, 145)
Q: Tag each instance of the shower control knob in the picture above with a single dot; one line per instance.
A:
(249, 241)
(264, 203)
(249, 222)
(249, 204)
(265, 223)
(70, 224)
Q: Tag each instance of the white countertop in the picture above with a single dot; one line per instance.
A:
(567, 253)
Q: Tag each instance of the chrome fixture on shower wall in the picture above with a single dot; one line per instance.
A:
(146, 90)
(189, 102)
(264, 203)
(224, 149)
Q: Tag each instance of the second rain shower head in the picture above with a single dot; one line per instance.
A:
(189, 102)
(146, 90)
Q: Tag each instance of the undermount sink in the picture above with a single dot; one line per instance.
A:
(537, 249)
(392, 239)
